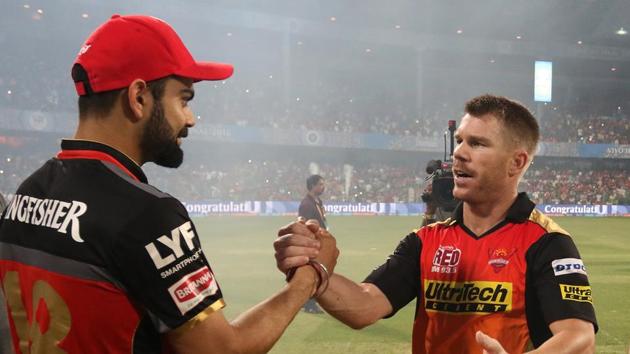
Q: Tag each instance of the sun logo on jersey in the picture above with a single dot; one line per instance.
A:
(499, 257)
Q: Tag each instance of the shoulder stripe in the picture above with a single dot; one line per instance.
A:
(546, 222)
(448, 222)
(57, 264)
(145, 187)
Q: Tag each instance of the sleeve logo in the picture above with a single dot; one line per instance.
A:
(174, 245)
(579, 293)
(191, 289)
(568, 266)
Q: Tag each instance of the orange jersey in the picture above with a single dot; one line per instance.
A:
(510, 282)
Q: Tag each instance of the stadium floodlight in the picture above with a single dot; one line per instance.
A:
(543, 81)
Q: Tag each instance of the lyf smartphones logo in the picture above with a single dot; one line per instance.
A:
(446, 259)
(173, 243)
(500, 257)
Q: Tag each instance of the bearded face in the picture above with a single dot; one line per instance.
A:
(159, 141)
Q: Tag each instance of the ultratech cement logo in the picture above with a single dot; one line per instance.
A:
(468, 297)
(190, 290)
(576, 293)
(446, 259)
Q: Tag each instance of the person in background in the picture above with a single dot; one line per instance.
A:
(312, 208)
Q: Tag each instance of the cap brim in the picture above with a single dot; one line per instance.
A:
(206, 70)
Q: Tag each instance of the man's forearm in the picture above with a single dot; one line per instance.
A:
(356, 305)
(261, 326)
(568, 342)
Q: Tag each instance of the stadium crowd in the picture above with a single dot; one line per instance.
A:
(324, 106)
(283, 180)
(586, 128)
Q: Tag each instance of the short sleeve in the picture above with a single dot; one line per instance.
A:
(558, 280)
(399, 277)
(159, 261)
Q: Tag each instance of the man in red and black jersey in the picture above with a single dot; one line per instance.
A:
(498, 276)
(93, 259)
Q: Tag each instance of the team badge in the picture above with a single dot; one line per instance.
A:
(500, 257)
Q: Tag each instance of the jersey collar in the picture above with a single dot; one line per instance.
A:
(518, 212)
(92, 150)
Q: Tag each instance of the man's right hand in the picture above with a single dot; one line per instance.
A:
(301, 241)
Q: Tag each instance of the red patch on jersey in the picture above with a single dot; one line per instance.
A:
(193, 288)
(194, 285)
(499, 257)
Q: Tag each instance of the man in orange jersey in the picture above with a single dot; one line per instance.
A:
(498, 276)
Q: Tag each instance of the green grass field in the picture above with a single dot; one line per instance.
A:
(241, 252)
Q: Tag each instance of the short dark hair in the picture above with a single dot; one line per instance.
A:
(101, 104)
(312, 180)
(517, 120)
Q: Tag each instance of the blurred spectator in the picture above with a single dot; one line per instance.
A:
(559, 125)
(282, 180)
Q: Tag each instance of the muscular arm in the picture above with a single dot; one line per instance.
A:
(387, 289)
(254, 331)
(570, 336)
(356, 305)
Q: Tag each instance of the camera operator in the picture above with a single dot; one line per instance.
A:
(435, 211)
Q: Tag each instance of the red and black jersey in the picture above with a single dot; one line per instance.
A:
(95, 260)
(511, 282)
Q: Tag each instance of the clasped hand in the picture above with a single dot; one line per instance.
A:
(301, 241)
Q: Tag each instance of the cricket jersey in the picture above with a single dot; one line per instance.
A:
(510, 282)
(95, 260)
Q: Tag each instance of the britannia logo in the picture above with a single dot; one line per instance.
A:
(193, 288)
(500, 257)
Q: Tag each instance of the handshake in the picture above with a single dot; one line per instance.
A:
(305, 243)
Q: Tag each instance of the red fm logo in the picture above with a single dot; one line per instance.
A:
(446, 259)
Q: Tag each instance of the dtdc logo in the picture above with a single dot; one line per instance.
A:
(568, 266)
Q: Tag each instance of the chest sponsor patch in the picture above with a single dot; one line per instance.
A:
(581, 293)
(446, 259)
(192, 288)
(471, 297)
(568, 266)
